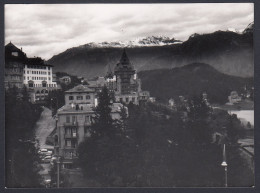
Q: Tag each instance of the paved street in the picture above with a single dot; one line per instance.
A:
(43, 128)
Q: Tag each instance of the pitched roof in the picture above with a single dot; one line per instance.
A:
(12, 47)
(124, 63)
(80, 89)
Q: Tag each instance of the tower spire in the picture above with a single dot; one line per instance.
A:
(124, 58)
(109, 72)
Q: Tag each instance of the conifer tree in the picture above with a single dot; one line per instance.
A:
(103, 122)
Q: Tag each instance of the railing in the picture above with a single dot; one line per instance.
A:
(87, 123)
(75, 123)
(70, 135)
(70, 153)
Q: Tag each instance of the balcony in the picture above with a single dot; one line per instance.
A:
(70, 153)
(70, 135)
(75, 123)
(87, 123)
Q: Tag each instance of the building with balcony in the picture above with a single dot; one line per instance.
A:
(38, 78)
(33, 73)
(74, 121)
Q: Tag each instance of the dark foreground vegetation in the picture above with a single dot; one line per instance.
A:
(21, 158)
(155, 148)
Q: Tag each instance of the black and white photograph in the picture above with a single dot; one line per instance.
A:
(129, 95)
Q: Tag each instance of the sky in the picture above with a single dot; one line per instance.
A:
(46, 30)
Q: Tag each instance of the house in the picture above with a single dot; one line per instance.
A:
(65, 80)
(15, 60)
(234, 97)
(74, 121)
(33, 73)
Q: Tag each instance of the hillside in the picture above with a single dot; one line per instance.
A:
(228, 52)
(190, 80)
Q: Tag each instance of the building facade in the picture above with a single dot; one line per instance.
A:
(33, 73)
(125, 84)
(38, 78)
(74, 120)
(15, 60)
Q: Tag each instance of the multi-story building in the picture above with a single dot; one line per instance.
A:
(38, 78)
(65, 80)
(33, 73)
(15, 59)
(124, 82)
(74, 121)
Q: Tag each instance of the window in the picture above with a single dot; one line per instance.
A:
(87, 119)
(14, 53)
(79, 97)
(68, 131)
(74, 119)
(133, 99)
(49, 73)
(87, 97)
(74, 132)
(28, 78)
(49, 78)
(127, 99)
(49, 68)
(30, 85)
(71, 98)
(121, 100)
(68, 142)
(67, 119)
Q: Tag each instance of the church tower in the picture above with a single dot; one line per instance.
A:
(125, 72)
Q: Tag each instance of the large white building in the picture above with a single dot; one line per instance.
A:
(33, 73)
(38, 77)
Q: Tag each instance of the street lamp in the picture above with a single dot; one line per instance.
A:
(224, 164)
(55, 102)
(58, 172)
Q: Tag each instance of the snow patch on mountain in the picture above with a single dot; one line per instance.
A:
(144, 42)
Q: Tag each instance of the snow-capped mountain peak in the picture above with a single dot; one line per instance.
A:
(139, 42)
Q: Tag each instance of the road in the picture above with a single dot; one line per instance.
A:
(43, 128)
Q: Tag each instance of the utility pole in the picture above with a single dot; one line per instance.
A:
(58, 172)
(224, 164)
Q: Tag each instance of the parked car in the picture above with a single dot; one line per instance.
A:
(41, 151)
(48, 153)
(53, 159)
(46, 159)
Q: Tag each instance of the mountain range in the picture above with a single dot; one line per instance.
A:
(229, 52)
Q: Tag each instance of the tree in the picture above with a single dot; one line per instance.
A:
(98, 152)
(198, 115)
(121, 124)
(233, 128)
(103, 122)
(22, 161)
